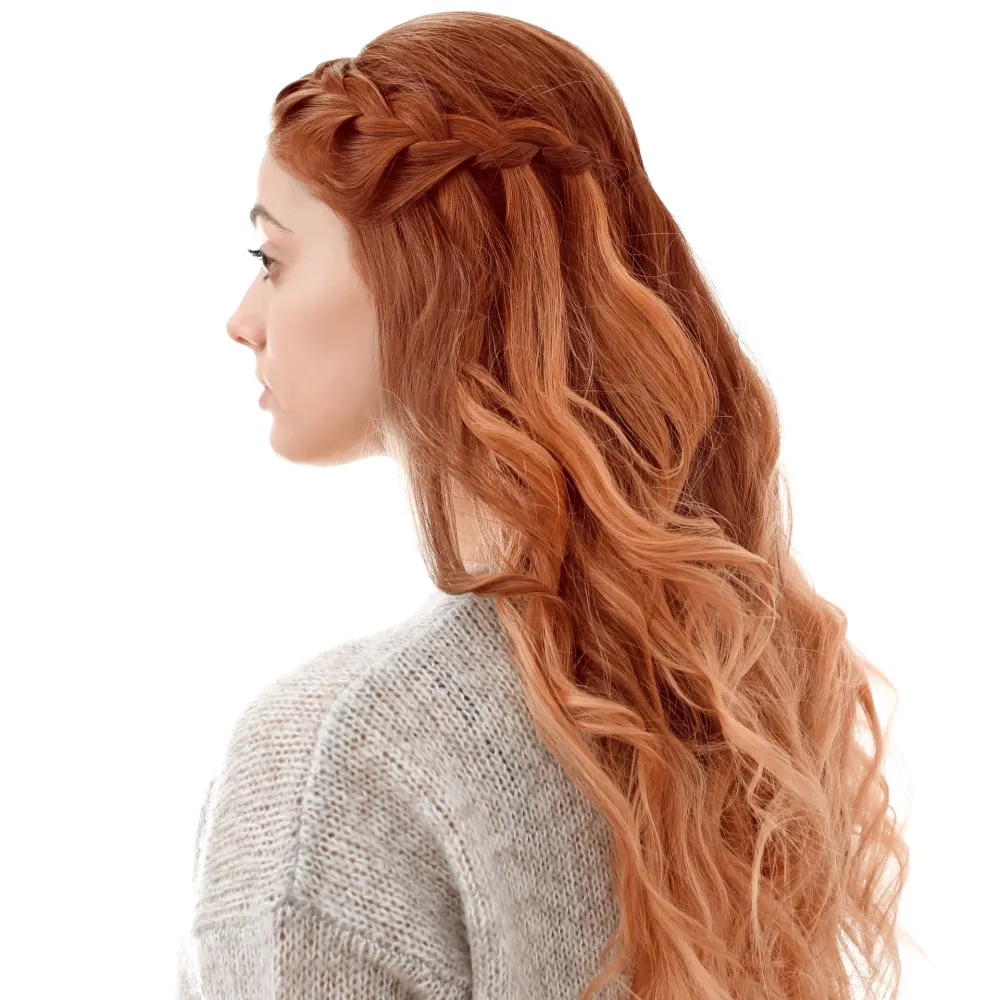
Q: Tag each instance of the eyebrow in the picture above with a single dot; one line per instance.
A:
(259, 212)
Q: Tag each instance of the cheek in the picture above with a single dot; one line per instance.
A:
(324, 351)
(333, 414)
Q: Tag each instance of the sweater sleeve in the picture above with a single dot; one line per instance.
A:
(187, 985)
(295, 952)
(325, 869)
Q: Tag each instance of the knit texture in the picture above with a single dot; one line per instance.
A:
(387, 823)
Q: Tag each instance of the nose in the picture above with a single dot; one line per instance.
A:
(245, 326)
(235, 327)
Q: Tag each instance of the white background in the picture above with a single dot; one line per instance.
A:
(832, 166)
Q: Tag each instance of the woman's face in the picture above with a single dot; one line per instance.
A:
(311, 325)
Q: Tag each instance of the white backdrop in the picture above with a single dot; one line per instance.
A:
(833, 167)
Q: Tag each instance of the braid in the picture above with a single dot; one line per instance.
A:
(432, 142)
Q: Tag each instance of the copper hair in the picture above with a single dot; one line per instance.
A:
(550, 352)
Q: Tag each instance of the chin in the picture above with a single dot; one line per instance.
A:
(301, 450)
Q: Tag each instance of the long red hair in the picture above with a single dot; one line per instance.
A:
(549, 350)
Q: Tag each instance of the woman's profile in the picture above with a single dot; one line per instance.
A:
(629, 751)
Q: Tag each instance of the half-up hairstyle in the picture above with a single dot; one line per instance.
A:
(548, 348)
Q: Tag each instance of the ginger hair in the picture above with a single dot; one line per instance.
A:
(549, 351)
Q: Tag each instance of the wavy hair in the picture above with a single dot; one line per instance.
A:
(550, 353)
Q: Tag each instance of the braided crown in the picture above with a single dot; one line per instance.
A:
(428, 136)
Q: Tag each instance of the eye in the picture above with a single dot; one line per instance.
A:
(264, 259)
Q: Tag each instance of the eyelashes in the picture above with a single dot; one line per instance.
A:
(264, 259)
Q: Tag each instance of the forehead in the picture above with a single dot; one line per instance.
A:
(271, 176)
(289, 201)
(280, 194)
(294, 206)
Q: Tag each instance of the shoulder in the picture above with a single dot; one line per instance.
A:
(334, 787)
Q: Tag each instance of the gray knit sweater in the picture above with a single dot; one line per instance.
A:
(386, 823)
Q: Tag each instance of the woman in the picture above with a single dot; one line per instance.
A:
(620, 749)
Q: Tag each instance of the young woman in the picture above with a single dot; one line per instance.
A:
(623, 749)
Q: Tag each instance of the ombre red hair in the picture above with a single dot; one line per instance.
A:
(549, 349)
